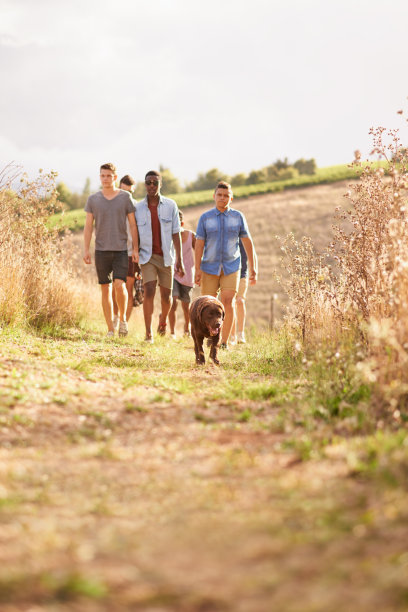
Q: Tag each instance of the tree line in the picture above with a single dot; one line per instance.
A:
(280, 170)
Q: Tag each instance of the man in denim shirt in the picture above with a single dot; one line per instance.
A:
(158, 223)
(217, 254)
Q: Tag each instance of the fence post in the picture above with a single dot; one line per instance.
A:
(272, 313)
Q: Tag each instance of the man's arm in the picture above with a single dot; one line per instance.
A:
(252, 258)
(198, 253)
(179, 267)
(87, 236)
(135, 237)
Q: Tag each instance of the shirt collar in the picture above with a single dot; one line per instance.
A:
(218, 212)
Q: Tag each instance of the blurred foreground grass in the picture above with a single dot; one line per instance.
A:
(132, 480)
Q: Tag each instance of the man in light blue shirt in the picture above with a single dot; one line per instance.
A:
(217, 254)
(158, 223)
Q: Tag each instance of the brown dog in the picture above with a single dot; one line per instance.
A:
(206, 318)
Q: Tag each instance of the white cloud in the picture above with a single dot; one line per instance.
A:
(195, 85)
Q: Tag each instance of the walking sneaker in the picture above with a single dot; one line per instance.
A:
(149, 339)
(224, 346)
(110, 334)
(241, 338)
(115, 322)
(123, 328)
(233, 340)
(173, 336)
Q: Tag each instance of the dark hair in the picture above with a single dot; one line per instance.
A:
(127, 180)
(223, 185)
(153, 173)
(109, 166)
(181, 216)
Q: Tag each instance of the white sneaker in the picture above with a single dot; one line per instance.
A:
(173, 336)
(115, 322)
(149, 339)
(123, 328)
(232, 340)
(241, 338)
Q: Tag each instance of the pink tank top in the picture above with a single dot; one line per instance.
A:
(188, 259)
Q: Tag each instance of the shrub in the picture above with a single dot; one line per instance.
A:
(35, 281)
(366, 292)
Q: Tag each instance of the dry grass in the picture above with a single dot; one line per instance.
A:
(36, 284)
(132, 480)
(364, 296)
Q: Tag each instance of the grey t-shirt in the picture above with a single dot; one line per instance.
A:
(110, 220)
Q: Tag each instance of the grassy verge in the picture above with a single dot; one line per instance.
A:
(131, 479)
(75, 219)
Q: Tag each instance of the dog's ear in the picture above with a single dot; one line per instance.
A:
(200, 307)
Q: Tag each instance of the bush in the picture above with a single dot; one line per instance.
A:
(366, 292)
(35, 282)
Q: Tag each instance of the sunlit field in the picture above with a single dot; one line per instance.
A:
(132, 479)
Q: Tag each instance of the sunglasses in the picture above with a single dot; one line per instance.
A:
(152, 182)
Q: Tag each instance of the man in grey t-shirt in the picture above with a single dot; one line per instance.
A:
(110, 208)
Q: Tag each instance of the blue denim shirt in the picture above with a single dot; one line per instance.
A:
(167, 211)
(221, 232)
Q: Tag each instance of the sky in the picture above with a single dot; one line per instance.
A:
(192, 85)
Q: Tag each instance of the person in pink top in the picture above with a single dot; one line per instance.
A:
(183, 285)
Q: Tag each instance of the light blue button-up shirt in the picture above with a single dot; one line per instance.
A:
(167, 211)
(221, 232)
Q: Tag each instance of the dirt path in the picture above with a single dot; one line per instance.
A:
(131, 480)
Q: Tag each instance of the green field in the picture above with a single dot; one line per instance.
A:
(75, 219)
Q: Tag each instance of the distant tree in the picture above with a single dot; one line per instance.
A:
(282, 164)
(87, 189)
(287, 173)
(272, 173)
(306, 166)
(140, 191)
(64, 194)
(256, 176)
(170, 184)
(238, 179)
(77, 201)
(207, 180)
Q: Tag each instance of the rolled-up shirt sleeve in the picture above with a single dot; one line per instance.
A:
(176, 227)
(244, 231)
(200, 233)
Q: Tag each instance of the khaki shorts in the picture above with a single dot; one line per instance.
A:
(155, 269)
(211, 283)
(242, 288)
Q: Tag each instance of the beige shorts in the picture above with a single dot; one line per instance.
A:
(242, 288)
(155, 269)
(211, 283)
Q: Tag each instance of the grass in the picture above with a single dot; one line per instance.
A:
(132, 479)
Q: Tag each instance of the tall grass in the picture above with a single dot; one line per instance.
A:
(358, 288)
(36, 284)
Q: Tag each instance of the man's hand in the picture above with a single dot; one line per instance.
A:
(135, 256)
(197, 278)
(180, 267)
(252, 277)
(87, 257)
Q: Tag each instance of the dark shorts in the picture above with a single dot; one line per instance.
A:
(111, 264)
(133, 268)
(182, 292)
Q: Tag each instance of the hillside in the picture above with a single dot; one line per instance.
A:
(306, 212)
